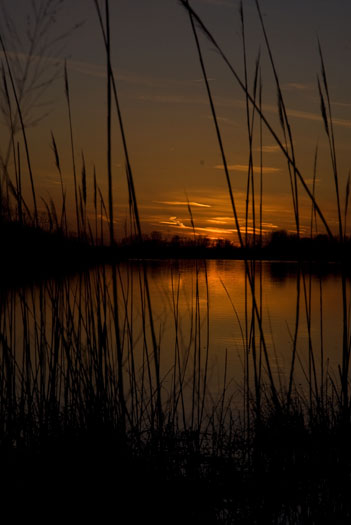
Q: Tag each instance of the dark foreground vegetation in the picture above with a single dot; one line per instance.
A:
(294, 468)
(92, 426)
(33, 253)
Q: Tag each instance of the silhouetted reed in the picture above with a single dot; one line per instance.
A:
(85, 376)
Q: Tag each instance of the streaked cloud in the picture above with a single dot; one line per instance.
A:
(173, 221)
(200, 230)
(178, 223)
(222, 231)
(91, 69)
(184, 203)
(316, 117)
(342, 104)
(306, 115)
(244, 168)
(173, 99)
(218, 221)
(201, 80)
(99, 71)
(298, 86)
(269, 149)
(310, 181)
(224, 120)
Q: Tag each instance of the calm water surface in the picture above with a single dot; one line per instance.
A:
(202, 316)
(220, 312)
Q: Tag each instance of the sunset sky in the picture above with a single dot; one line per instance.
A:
(171, 137)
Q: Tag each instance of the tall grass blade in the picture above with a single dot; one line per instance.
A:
(68, 100)
(24, 134)
(260, 112)
(231, 195)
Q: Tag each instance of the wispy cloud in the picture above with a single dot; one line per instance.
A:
(99, 71)
(224, 120)
(244, 168)
(314, 116)
(174, 221)
(91, 69)
(87, 68)
(134, 78)
(220, 220)
(310, 181)
(342, 104)
(220, 231)
(199, 230)
(178, 223)
(201, 80)
(269, 149)
(173, 99)
(183, 203)
(298, 86)
(306, 115)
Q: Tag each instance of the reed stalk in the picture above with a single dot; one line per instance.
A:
(68, 101)
(23, 129)
(231, 194)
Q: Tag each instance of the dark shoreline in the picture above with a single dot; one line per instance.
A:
(30, 253)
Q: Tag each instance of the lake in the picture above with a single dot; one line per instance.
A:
(226, 300)
(203, 332)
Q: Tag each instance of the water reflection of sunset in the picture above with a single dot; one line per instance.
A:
(226, 293)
